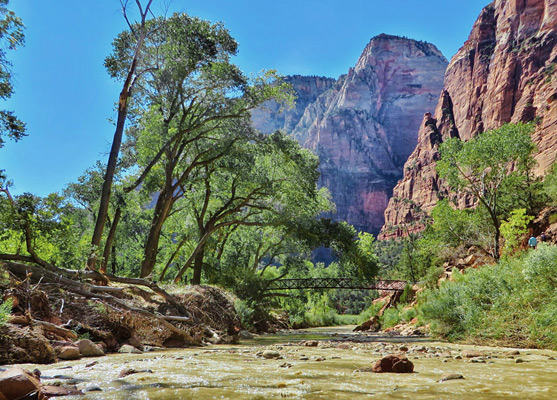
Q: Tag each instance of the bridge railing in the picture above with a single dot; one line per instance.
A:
(336, 283)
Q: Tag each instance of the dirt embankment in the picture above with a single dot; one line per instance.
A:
(52, 320)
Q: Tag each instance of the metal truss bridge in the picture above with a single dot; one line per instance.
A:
(336, 283)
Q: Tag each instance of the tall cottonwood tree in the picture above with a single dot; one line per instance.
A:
(186, 96)
(137, 36)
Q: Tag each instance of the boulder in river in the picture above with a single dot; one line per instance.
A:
(393, 363)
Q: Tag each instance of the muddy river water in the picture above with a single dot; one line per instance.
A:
(324, 363)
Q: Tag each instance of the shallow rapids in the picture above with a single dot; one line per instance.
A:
(337, 368)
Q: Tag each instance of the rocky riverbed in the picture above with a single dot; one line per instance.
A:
(313, 364)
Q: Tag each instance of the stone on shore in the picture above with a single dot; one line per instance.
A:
(17, 382)
(68, 353)
(89, 349)
(126, 348)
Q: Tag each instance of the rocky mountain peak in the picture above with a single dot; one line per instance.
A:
(364, 125)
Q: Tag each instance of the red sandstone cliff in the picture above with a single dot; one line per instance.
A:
(505, 72)
(364, 127)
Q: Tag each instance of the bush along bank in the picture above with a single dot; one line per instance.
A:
(513, 302)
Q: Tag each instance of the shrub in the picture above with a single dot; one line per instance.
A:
(5, 311)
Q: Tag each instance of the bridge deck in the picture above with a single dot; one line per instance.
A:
(336, 283)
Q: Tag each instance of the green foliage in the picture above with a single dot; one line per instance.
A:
(513, 301)
(11, 37)
(496, 169)
(550, 185)
(514, 229)
(245, 311)
(5, 311)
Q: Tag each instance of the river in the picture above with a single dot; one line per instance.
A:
(337, 368)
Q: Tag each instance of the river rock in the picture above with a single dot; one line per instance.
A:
(126, 348)
(477, 360)
(68, 353)
(393, 363)
(471, 354)
(92, 388)
(268, 354)
(58, 391)
(310, 343)
(89, 349)
(450, 377)
(18, 382)
(245, 334)
(131, 371)
(512, 353)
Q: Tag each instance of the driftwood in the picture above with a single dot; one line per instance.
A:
(105, 289)
(84, 290)
(174, 318)
(45, 326)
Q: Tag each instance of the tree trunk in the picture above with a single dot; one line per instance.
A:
(162, 209)
(198, 267)
(110, 239)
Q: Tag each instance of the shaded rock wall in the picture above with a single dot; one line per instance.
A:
(505, 72)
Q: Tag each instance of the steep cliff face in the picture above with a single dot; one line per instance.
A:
(364, 127)
(272, 116)
(505, 72)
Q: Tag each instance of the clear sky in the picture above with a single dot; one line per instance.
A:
(67, 99)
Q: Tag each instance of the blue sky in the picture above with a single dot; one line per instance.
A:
(67, 100)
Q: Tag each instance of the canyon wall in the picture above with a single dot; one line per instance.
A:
(505, 72)
(364, 127)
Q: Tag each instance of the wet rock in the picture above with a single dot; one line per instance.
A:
(68, 353)
(310, 343)
(91, 364)
(18, 382)
(268, 354)
(89, 349)
(519, 361)
(58, 391)
(450, 377)
(131, 371)
(471, 354)
(128, 349)
(403, 348)
(457, 357)
(512, 353)
(92, 388)
(393, 363)
(246, 335)
(477, 360)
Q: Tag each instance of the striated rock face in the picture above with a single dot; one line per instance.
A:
(505, 72)
(272, 117)
(364, 126)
